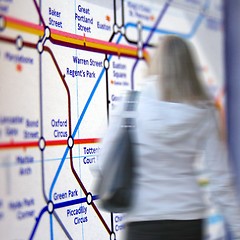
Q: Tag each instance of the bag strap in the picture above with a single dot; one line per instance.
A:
(130, 106)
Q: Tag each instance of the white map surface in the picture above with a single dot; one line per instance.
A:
(64, 65)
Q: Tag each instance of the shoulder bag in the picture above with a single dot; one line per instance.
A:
(116, 181)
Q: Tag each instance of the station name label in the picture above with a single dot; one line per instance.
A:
(4, 6)
(119, 222)
(54, 18)
(1, 213)
(59, 128)
(23, 208)
(87, 62)
(82, 70)
(77, 214)
(18, 58)
(31, 131)
(83, 19)
(64, 195)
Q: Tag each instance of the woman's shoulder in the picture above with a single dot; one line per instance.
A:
(150, 87)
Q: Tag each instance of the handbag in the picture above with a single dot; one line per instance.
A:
(116, 180)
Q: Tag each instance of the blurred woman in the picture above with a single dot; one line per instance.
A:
(176, 124)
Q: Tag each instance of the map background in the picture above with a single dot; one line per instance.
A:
(38, 92)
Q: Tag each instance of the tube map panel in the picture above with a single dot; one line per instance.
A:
(64, 66)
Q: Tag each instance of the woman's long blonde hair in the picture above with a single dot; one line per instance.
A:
(173, 62)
